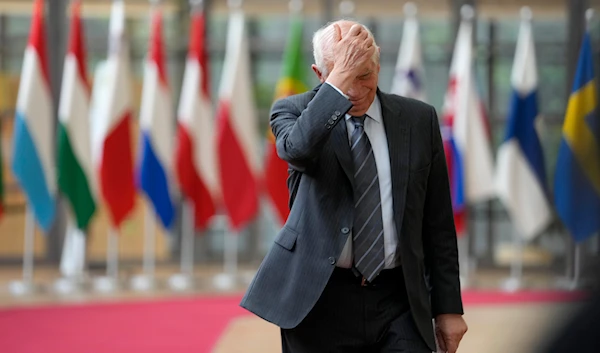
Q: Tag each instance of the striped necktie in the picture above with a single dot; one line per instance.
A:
(368, 245)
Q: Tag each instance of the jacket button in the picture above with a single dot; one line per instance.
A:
(345, 230)
(337, 112)
(332, 260)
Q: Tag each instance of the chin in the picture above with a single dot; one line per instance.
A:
(357, 112)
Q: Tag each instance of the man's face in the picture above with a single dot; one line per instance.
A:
(364, 88)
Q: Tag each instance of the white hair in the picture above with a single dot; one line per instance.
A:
(322, 46)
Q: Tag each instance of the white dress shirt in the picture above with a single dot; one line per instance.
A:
(375, 130)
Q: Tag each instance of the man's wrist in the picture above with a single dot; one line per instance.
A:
(340, 81)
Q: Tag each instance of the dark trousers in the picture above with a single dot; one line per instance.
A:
(351, 318)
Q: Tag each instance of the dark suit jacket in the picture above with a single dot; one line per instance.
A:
(311, 136)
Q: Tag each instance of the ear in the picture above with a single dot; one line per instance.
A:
(318, 73)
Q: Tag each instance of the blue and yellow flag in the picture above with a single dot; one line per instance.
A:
(577, 180)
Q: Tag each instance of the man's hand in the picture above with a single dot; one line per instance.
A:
(450, 329)
(350, 55)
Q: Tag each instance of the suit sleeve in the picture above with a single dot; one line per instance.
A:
(300, 133)
(439, 233)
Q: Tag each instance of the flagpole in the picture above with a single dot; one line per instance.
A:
(184, 280)
(467, 14)
(112, 266)
(229, 278)
(26, 286)
(150, 243)
(517, 265)
(571, 280)
(187, 241)
(589, 15)
(29, 247)
(576, 272)
(515, 281)
(146, 280)
(566, 281)
(110, 282)
(230, 255)
(463, 255)
(188, 236)
(72, 261)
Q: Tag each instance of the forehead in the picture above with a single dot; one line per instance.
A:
(369, 66)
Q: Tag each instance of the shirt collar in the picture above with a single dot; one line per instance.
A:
(374, 111)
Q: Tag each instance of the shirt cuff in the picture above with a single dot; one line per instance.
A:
(337, 89)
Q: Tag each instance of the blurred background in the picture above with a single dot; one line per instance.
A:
(503, 316)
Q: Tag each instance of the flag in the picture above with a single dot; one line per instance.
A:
(111, 138)
(409, 78)
(521, 176)
(195, 157)
(577, 178)
(157, 125)
(466, 134)
(33, 162)
(291, 82)
(72, 260)
(236, 128)
(74, 149)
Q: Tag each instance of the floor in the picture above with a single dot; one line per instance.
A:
(493, 328)
(499, 329)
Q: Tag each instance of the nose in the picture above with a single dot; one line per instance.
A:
(354, 91)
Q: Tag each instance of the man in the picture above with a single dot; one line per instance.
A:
(368, 255)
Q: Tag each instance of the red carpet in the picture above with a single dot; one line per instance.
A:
(180, 325)
(176, 325)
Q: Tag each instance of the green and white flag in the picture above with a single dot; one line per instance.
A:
(75, 173)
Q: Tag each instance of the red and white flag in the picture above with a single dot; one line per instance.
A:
(195, 158)
(465, 131)
(111, 134)
(237, 146)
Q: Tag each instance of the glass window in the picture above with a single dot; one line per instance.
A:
(17, 32)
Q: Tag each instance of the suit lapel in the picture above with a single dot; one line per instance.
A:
(397, 130)
(341, 146)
